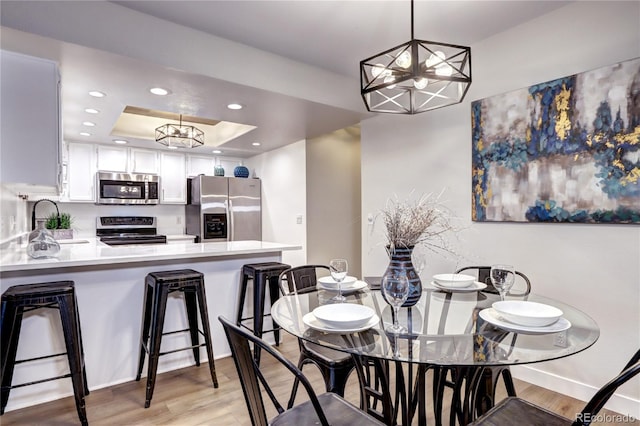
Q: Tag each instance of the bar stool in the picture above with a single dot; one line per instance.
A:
(261, 274)
(58, 295)
(158, 286)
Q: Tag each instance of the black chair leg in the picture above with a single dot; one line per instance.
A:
(259, 287)
(158, 314)
(146, 324)
(70, 328)
(274, 294)
(11, 324)
(204, 318)
(192, 316)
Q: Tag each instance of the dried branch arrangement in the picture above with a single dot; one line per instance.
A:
(422, 222)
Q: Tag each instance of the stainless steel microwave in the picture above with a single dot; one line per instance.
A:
(127, 188)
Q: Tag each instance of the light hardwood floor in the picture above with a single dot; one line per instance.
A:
(187, 397)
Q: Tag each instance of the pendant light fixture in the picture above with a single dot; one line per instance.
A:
(416, 76)
(179, 135)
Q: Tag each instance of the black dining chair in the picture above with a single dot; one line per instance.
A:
(335, 366)
(508, 410)
(327, 408)
(462, 379)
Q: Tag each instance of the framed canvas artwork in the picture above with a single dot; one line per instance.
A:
(566, 150)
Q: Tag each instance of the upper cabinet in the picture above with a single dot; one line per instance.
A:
(30, 125)
(173, 181)
(197, 165)
(80, 179)
(122, 159)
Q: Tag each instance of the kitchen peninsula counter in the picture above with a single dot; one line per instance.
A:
(109, 282)
(93, 252)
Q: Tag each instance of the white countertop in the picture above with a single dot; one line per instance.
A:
(90, 251)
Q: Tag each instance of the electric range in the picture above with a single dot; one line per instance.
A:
(121, 230)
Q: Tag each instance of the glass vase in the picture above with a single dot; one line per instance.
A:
(400, 262)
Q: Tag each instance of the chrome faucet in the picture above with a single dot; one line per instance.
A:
(33, 213)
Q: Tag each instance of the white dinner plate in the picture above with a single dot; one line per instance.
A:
(476, 286)
(490, 315)
(310, 320)
(346, 288)
(328, 281)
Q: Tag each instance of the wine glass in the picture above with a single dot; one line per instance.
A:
(338, 268)
(395, 288)
(503, 277)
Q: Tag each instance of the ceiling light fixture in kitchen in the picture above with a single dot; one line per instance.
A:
(416, 76)
(97, 94)
(234, 106)
(216, 151)
(159, 91)
(256, 144)
(91, 110)
(85, 134)
(88, 123)
(120, 141)
(179, 136)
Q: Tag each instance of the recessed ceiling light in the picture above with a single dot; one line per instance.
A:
(216, 151)
(85, 134)
(172, 147)
(97, 94)
(88, 123)
(120, 141)
(159, 91)
(234, 106)
(91, 110)
(256, 144)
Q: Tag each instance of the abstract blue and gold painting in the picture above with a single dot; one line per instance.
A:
(566, 150)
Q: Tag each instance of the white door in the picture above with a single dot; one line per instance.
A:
(173, 178)
(200, 165)
(143, 161)
(81, 172)
(112, 158)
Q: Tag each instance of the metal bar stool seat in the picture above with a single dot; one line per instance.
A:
(261, 274)
(158, 286)
(58, 295)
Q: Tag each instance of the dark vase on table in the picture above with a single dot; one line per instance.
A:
(400, 262)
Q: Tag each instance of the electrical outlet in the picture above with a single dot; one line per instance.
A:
(560, 339)
(299, 219)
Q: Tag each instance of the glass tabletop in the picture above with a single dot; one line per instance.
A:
(443, 328)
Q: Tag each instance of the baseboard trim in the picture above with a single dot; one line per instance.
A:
(619, 403)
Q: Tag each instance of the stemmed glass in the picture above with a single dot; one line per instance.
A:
(338, 268)
(503, 277)
(395, 288)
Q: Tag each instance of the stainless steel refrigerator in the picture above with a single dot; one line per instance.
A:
(224, 208)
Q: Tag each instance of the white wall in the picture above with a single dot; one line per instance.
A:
(596, 268)
(283, 174)
(333, 198)
(13, 217)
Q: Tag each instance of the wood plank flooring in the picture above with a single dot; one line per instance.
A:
(186, 397)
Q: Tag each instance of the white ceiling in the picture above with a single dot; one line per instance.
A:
(332, 35)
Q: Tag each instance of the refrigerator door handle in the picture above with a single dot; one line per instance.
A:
(230, 235)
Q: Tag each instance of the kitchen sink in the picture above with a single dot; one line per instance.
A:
(73, 241)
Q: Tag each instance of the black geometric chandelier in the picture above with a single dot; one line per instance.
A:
(416, 76)
(179, 136)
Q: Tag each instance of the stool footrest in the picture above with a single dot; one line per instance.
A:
(182, 349)
(38, 358)
(38, 381)
(278, 328)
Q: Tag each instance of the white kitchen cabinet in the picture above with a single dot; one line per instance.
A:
(123, 159)
(81, 173)
(173, 181)
(143, 161)
(197, 165)
(30, 125)
(112, 158)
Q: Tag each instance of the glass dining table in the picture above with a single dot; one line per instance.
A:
(445, 330)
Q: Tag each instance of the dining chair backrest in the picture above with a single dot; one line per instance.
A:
(483, 274)
(603, 394)
(301, 279)
(252, 378)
